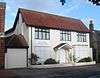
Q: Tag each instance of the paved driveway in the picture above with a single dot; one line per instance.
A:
(92, 71)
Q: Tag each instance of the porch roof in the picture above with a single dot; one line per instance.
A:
(64, 46)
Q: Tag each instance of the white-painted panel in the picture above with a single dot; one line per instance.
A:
(15, 58)
(82, 52)
(44, 53)
(62, 57)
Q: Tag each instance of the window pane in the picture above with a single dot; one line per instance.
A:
(42, 34)
(47, 36)
(37, 33)
(65, 35)
(81, 37)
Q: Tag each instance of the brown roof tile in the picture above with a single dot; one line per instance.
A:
(45, 20)
(16, 41)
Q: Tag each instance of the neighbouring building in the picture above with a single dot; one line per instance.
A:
(14, 48)
(2, 42)
(95, 42)
(16, 51)
(51, 36)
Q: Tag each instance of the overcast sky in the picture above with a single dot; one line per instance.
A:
(79, 9)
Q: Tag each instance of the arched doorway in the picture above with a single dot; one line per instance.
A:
(63, 53)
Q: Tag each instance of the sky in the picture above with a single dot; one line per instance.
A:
(79, 9)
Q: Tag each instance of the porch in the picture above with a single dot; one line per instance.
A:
(64, 53)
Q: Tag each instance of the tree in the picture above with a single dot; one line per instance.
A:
(96, 2)
(62, 1)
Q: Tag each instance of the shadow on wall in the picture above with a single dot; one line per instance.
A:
(1, 66)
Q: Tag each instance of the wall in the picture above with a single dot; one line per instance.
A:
(2, 25)
(45, 48)
(2, 51)
(82, 51)
(21, 28)
(2, 16)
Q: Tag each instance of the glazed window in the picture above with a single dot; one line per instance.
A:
(81, 37)
(43, 34)
(65, 35)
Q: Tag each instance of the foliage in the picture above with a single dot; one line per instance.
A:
(34, 58)
(87, 59)
(50, 61)
(63, 2)
(97, 2)
(72, 58)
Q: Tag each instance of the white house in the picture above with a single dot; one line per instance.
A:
(51, 36)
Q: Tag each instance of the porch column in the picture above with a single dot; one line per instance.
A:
(56, 55)
(73, 54)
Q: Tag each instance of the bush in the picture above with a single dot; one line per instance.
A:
(33, 59)
(50, 61)
(87, 59)
(1, 66)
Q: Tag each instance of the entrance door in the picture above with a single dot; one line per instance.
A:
(61, 56)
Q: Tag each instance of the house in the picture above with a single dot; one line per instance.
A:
(51, 36)
(2, 42)
(95, 42)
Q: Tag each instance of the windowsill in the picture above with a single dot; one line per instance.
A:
(41, 39)
(81, 41)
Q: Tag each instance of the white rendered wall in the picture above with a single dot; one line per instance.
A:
(21, 28)
(43, 48)
(38, 45)
(82, 52)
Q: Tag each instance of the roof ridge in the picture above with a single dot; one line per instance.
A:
(48, 14)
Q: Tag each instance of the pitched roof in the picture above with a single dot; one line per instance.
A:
(62, 45)
(15, 41)
(45, 20)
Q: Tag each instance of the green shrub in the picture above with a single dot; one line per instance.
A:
(50, 61)
(87, 59)
(33, 59)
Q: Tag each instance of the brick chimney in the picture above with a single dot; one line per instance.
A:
(2, 41)
(2, 16)
(91, 25)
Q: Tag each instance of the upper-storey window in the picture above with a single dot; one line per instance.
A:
(65, 35)
(43, 34)
(81, 37)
